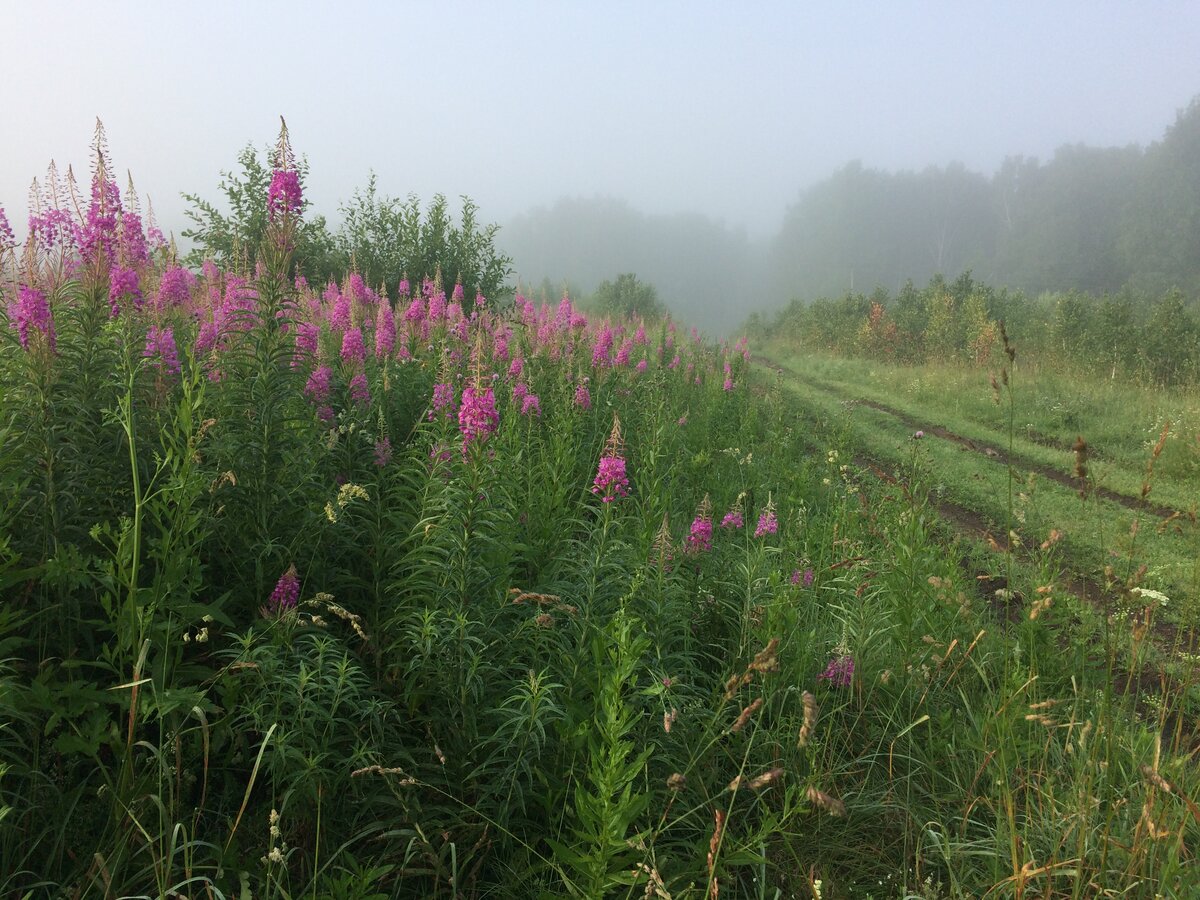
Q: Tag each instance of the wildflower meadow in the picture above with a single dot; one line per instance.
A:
(362, 590)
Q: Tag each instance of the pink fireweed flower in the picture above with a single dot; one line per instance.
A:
(307, 335)
(767, 522)
(624, 353)
(160, 346)
(132, 240)
(727, 386)
(641, 366)
(917, 435)
(354, 352)
(839, 672)
(286, 593)
(284, 196)
(804, 578)
(7, 241)
(437, 300)
(415, 311)
(175, 287)
(31, 309)
(602, 347)
(519, 392)
(443, 399)
(122, 284)
(699, 539)
(339, 311)
(405, 288)
(477, 416)
(516, 367)
(611, 481)
(583, 397)
(674, 363)
(733, 519)
(359, 391)
(531, 405)
(385, 330)
(319, 384)
(360, 292)
(457, 294)
(383, 452)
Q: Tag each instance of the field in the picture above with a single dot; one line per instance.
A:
(310, 590)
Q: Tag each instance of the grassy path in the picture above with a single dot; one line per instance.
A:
(988, 493)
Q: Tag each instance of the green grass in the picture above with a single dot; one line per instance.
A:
(1097, 531)
(1121, 422)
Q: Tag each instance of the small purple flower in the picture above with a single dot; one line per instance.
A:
(611, 480)
(443, 399)
(383, 452)
(359, 391)
(122, 283)
(531, 405)
(602, 347)
(767, 523)
(31, 308)
(583, 397)
(385, 331)
(354, 351)
(917, 435)
(307, 335)
(839, 672)
(733, 519)
(175, 287)
(7, 241)
(286, 593)
(699, 539)
(477, 416)
(160, 343)
(318, 386)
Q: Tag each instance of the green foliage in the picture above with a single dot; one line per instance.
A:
(305, 619)
(627, 297)
(391, 239)
(959, 323)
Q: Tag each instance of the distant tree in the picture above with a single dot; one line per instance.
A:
(627, 296)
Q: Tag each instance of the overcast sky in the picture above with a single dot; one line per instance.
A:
(726, 108)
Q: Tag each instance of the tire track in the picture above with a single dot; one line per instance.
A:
(999, 456)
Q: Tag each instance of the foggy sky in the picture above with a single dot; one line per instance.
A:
(724, 108)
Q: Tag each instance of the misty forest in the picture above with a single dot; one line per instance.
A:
(388, 550)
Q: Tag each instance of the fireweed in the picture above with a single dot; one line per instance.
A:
(611, 481)
(699, 539)
(504, 728)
